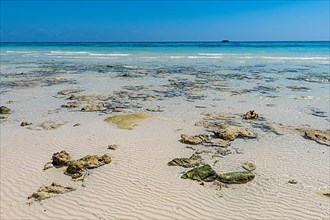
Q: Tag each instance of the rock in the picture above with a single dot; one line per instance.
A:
(293, 181)
(77, 168)
(249, 166)
(112, 146)
(46, 192)
(91, 108)
(48, 165)
(230, 132)
(25, 123)
(70, 105)
(250, 115)
(321, 137)
(61, 159)
(326, 194)
(75, 125)
(4, 110)
(197, 139)
(69, 91)
(192, 161)
(127, 121)
(204, 173)
(236, 177)
(217, 143)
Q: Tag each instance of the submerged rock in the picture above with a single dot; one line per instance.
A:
(112, 146)
(250, 115)
(69, 91)
(76, 169)
(293, 181)
(236, 177)
(321, 137)
(61, 159)
(70, 105)
(127, 121)
(193, 161)
(4, 110)
(217, 143)
(204, 173)
(197, 139)
(46, 192)
(230, 132)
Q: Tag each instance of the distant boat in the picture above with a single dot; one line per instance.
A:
(225, 41)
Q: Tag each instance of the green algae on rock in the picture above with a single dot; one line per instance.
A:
(197, 139)
(236, 177)
(193, 161)
(52, 190)
(127, 121)
(4, 110)
(204, 173)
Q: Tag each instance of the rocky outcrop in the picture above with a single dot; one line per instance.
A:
(230, 132)
(236, 177)
(193, 161)
(61, 159)
(204, 173)
(197, 139)
(52, 190)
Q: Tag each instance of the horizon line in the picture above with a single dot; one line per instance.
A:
(171, 41)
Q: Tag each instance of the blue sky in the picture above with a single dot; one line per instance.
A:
(65, 21)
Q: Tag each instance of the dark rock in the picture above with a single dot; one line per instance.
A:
(250, 115)
(204, 173)
(61, 159)
(25, 123)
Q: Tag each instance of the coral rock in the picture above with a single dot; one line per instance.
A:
(4, 110)
(46, 192)
(250, 115)
(321, 137)
(230, 132)
(62, 158)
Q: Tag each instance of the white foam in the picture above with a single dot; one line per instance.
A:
(205, 57)
(295, 58)
(110, 54)
(210, 54)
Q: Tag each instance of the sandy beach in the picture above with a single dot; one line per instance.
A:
(291, 176)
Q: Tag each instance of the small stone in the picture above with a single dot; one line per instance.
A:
(69, 91)
(112, 146)
(4, 110)
(48, 165)
(75, 125)
(250, 115)
(249, 166)
(292, 181)
(92, 108)
(25, 123)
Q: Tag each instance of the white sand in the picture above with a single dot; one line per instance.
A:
(139, 184)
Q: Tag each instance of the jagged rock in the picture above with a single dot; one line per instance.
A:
(236, 177)
(231, 132)
(91, 108)
(61, 159)
(127, 121)
(250, 115)
(204, 173)
(112, 146)
(46, 192)
(4, 110)
(77, 168)
(321, 137)
(192, 161)
(25, 123)
(69, 91)
(249, 166)
(197, 139)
